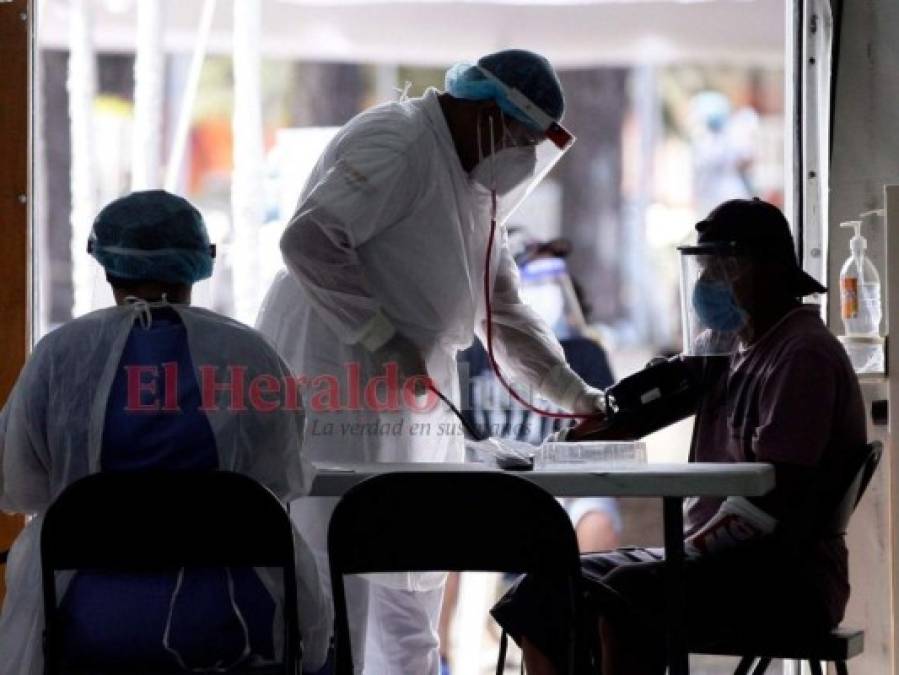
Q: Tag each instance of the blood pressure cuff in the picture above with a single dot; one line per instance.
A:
(665, 392)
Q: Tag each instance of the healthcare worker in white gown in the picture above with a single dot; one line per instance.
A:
(385, 259)
(69, 415)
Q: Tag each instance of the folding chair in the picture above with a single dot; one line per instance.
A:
(842, 644)
(482, 521)
(150, 522)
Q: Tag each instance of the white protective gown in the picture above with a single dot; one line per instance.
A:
(391, 231)
(50, 436)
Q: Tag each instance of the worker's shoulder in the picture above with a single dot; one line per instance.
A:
(221, 327)
(228, 337)
(397, 126)
(82, 331)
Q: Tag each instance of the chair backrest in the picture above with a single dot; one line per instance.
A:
(477, 520)
(156, 521)
(860, 469)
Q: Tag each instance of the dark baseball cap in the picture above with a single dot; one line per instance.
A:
(760, 230)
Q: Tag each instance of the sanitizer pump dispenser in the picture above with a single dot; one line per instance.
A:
(860, 305)
(859, 289)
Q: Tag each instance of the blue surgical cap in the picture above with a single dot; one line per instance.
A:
(529, 73)
(152, 236)
(712, 108)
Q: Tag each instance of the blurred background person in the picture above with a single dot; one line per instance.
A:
(723, 151)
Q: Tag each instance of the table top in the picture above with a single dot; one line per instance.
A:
(695, 479)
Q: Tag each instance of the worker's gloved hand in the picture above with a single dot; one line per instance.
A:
(591, 401)
(568, 390)
(408, 359)
(559, 436)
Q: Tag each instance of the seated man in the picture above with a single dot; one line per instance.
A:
(120, 390)
(787, 396)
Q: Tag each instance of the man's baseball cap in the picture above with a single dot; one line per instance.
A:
(760, 230)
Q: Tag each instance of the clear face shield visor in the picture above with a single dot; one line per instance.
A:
(546, 287)
(713, 279)
(520, 156)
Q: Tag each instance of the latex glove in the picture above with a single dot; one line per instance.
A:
(590, 401)
(567, 389)
(559, 436)
(736, 522)
(408, 359)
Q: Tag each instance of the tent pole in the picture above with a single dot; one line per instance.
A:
(82, 79)
(149, 75)
(247, 177)
(179, 141)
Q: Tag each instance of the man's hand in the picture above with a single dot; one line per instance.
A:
(736, 522)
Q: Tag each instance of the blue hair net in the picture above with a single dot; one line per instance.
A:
(152, 236)
(712, 108)
(529, 73)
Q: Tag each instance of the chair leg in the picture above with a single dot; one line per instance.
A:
(762, 666)
(841, 668)
(745, 664)
(815, 667)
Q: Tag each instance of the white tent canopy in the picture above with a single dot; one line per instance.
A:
(437, 32)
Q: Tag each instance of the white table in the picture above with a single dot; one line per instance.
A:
(669, 482)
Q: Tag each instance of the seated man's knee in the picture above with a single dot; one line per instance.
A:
(596, 532)
(640, 580)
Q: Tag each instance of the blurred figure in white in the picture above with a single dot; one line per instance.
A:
(723, 150)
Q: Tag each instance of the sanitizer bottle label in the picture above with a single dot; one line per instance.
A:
(849, 297)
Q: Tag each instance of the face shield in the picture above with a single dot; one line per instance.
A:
(520, 155)
(713, 279)
(546, 287)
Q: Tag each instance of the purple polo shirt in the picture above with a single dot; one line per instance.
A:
(791, 398)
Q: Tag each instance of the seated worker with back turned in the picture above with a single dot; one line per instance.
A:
(785, 395)
(78, 409)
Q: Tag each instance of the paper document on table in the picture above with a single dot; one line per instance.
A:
(333, 468)
(587, 455)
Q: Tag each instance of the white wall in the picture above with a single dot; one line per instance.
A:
(866, 157)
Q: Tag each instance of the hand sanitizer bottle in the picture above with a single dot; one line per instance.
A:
(859, 289)
(860, 306)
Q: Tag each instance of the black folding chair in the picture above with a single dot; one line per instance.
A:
(484, 521)
(843, 643)
(150, 522)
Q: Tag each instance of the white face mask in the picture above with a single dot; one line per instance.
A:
(506, 169)
(548, 301)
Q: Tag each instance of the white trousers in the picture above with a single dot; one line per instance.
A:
(392, 632)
